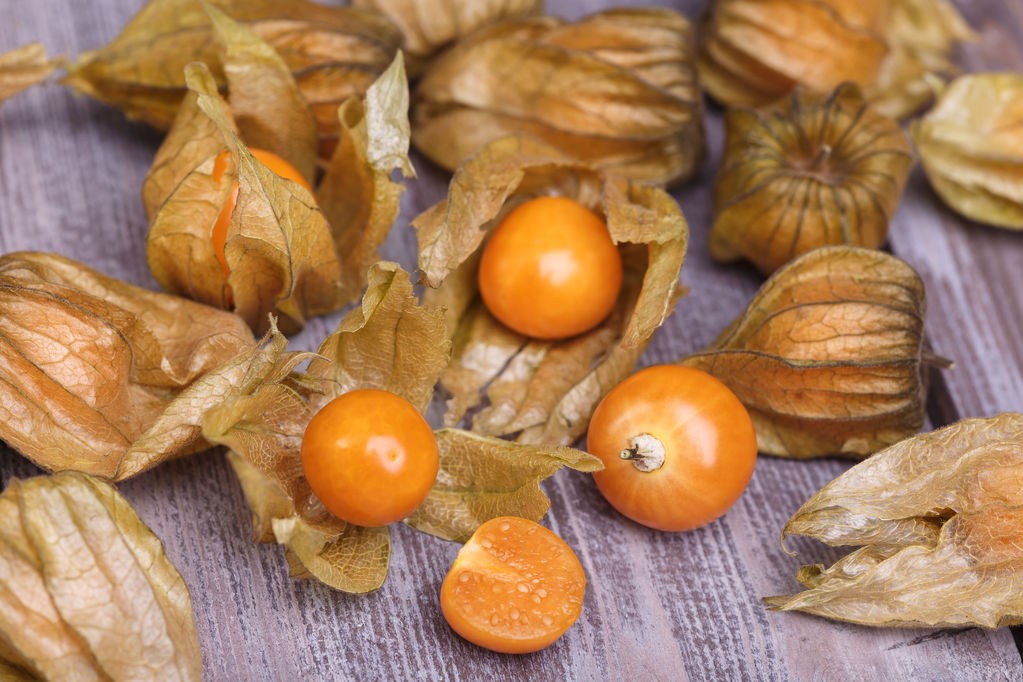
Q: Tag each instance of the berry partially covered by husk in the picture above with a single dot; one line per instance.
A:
(816, 171)
(616, 90)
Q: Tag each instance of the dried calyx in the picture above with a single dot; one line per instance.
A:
(617, 89)
(829, 355)
(813, 171)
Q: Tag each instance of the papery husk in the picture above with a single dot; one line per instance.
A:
(288, 254)
(617, 89)
(333, 52)
(89, 593)
(937, 519)
(544, 391)
(430, 27)
(755, 51)
(971, 148)
(922, 35)
(816, 171)
(828, 357)
(392, 343)
(104, 377)
(23, 67)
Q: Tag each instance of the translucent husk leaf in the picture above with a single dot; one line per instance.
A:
(828, 356)
(333, 53)
(543, 391)
(88, 592)
(101, 376)
(922, 35)
(357, 195)
(818, 170)
(430, 27)
(754, 51)
(482, 478)
(389, 342)
(23, 67)
(616, 89)
(971, 147)
(937, 518)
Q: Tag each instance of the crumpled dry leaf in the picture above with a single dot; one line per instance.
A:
(23, 67)
(333, 52)
(482, 478)
(938, 520)
(287, 254)
(101, 376)
(921, 37)
(544, 391)
(392, 343)
(828, 357)
(971, 147)
(88, 591)
(753, 51)
(816, 171)
(430, 27)
(617, 89)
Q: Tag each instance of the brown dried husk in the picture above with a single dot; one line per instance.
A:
(971, 148)
(544, 391)
(333, 52)
(430, 26)
(288, 253)
(104, 377)
(829, 355)
(617, 89)
(755, 51)
(816, 171)
(89, 593)
(937, 519)
(392, 343)
(24, 67)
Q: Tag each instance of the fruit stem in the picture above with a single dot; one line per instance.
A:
(645, 452)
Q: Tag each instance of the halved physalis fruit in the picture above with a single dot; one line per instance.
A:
(515, 587)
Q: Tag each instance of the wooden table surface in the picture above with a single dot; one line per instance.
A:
(658, 606)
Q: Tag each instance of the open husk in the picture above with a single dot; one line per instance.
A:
(815, 171)
(104, 377)
(333, 52)
(288, 252)
(937, 522)
(616, 89)
(829, 355)
(389, 342)
(971, 148)
(544, 391)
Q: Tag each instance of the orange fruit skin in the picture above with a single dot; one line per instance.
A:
(710, 447)
(370, 457)
(515, 587)
(550, 269)
(272, 161)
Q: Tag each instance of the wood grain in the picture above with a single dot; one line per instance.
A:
(659, 606)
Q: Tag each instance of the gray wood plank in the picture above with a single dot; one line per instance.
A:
(659, 606)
